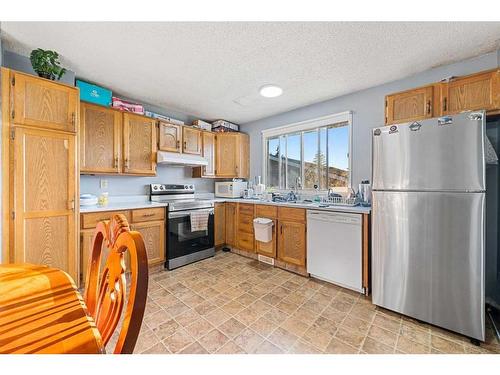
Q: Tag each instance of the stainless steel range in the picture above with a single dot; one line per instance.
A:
(185, 245)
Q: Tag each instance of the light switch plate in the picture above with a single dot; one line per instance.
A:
(103, 183)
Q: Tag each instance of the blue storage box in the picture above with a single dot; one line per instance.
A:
(94, 94)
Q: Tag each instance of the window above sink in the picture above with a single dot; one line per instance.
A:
(316, 151)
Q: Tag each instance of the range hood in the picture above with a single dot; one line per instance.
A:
(174, 158)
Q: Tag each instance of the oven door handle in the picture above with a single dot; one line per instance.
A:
(175, 215)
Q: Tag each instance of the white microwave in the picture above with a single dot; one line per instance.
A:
(230, 189)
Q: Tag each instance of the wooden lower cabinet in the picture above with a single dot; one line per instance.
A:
(245, 233)
(230, 211)
(44, 182)
(288, 244)
(154, 238)
(220, 224)
(150, 222)
(268, 248)
(86, 238)
(292, 242)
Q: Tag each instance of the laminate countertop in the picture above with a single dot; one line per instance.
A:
(119, 206)
(308, 206)
(132, 205)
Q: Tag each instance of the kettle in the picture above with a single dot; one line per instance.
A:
(365, 193)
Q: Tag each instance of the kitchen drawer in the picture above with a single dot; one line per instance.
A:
(262, 210)
(148, 214)
(90, 220)
(245, 223)
(292, 214)
(245, 241)
(245, 208)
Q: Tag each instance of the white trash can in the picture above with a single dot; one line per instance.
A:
(263, 229)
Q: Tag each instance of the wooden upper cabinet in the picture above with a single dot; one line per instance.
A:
(100, 138)
(45, 198)
(191, 140)
(232, 155)
(416, 104)
(244, 156)
(474, 92)
(208, 140)
(170, 137)
(292, 242)
(43, 103)
(139, 144)
(227, 155)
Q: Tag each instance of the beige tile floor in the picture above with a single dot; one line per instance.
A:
(231, 304)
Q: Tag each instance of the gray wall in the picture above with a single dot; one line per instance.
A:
(368, 113)
(129, 185)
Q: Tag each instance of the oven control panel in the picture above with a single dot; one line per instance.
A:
(157, 189)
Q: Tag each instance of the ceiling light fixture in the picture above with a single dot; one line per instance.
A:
(270, 91)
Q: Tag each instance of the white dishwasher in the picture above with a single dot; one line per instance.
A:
(334, 248)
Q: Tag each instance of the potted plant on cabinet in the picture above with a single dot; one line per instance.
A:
(46, 64)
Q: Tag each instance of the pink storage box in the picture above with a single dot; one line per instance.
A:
(123, 105)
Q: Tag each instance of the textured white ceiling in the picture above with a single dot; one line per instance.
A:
(214, 70)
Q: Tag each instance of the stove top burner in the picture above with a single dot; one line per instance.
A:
(178, 197)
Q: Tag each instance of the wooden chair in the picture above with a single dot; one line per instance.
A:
(105, 289)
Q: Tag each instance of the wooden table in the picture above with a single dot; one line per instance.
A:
(41, 311)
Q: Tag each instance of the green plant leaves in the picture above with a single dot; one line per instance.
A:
(46, 63)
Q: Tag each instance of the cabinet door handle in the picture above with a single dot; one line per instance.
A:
(71, 204)
(116, 162)
(445, 104)
(73, 118)
(185, 145)
(428, 107)
(281, 229)
(127, 165)
(178, 144)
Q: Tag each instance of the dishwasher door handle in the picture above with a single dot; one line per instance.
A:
(333, 217)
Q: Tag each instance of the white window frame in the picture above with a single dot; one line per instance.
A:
(306, 125)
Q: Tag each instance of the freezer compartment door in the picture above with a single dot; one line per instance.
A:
(428, 257)
(431, 155)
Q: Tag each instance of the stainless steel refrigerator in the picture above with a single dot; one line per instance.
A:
(429, 221)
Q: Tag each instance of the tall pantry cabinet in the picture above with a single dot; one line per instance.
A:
(39, 172)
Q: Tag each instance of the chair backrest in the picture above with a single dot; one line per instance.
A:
(105, 291)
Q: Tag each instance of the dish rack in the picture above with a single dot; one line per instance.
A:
(340, 201)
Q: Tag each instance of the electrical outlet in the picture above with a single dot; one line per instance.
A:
(103, 183)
